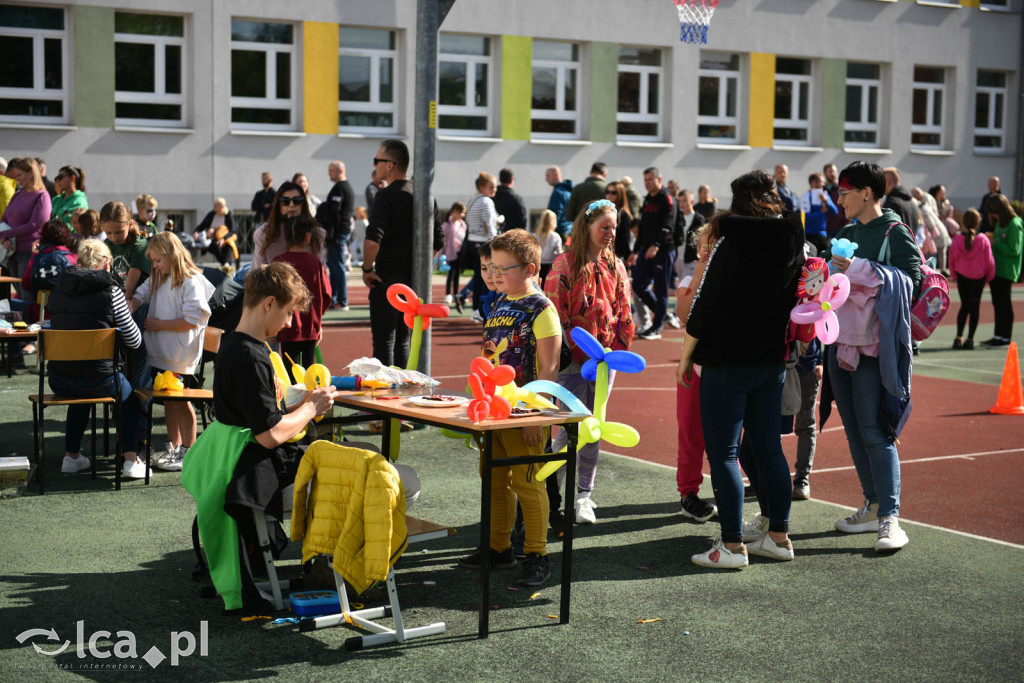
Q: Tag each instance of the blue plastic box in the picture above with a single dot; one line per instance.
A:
(315, 603)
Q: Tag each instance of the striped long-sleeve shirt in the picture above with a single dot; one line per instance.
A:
(126, 327)
(481, 219)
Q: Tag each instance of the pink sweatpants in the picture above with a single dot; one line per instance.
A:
(690, 457)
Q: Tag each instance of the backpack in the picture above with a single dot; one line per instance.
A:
(46, 266)
(930, 306)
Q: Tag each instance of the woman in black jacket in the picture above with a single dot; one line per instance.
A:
(737, 333)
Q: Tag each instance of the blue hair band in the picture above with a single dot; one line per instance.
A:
(598, 204)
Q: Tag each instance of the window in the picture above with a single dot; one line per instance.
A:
(990, 111)
(792, 101)
(263, 74)
(863, 85)
(464, 85)
(995, 4)
(366, 81)
(149, 53)
(640, 78)
(718, 98)
(33, 80)
(555, 93)
(926, 123)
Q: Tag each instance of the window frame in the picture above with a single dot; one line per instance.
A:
(722, 76)
(273, 103)
(160, 94)
(802, 80)
(930, 128)
(559, 113)
(486, 111)
(992, 92)
(643, 116)
(863, 125)
(374, 106)
(39, 91)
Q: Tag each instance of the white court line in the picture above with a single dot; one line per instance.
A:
(956, 367)
(847, 507)
(961, 456)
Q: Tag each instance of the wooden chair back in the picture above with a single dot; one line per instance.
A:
(77, 344)
(211, 341)
(42, 297)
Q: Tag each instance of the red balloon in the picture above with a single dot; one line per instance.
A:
(500, 408)
(503, 374)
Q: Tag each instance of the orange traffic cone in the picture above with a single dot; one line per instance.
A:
(1011, 393)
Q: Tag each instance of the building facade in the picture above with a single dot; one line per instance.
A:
(193, 101)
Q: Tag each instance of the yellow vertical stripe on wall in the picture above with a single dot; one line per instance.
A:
(970, 3)
(516, 86)
(762, 99)
(320, 77)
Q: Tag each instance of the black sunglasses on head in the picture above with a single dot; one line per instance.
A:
(286, 201)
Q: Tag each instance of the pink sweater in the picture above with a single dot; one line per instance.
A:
(26, 213)
(976, 264)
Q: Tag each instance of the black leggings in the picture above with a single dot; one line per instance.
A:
(1000, 288)
(970, 302)
(451, 284)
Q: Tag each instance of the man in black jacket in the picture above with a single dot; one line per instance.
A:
(388, 252)
(993, 190)
(508, 203)
(335, 216)
(263, 200)
(654, 251)
(899, 200)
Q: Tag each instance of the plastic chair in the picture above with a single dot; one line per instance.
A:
(76, 345)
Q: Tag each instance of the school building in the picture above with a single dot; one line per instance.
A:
(192, 100)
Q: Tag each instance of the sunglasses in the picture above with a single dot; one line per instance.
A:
(608, 192)
(288, 201)
(381, 161)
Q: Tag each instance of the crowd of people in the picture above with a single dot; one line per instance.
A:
(601, 257)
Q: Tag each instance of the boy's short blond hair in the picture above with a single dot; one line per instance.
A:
(144, 201)
(279, 280)
(521, 245)
(93, 253)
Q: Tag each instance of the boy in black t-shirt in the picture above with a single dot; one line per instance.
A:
(248, 394)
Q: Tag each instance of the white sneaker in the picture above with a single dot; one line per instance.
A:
(890, 535)
(173, 462)
(766, 547)
(134, 469)
(585, 510)
(169, 454)
(720, 557)
(75, 465)
(449, 299)
(476, 317)
(673, 321)
(860, 522)
(755, 528)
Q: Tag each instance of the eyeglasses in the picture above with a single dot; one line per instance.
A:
(287, 201)
(381, 161)
(502, 269)
(843, 193)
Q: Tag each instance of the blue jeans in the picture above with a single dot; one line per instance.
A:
(78, 416)
(858, 396)
(654, 273)
(336, 268)
(734, 398)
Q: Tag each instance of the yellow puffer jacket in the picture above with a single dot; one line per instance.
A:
(356, 511)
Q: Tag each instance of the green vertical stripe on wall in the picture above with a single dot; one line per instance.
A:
(833, 102)
(604, 91)
(93, 66)
(516, 86)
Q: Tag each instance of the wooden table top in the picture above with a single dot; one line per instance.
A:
(9, 280)
(20, 335)
(454, 417)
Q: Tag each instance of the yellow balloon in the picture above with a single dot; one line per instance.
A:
(317, 376)
(282, 374)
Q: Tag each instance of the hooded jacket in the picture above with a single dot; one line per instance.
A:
(740, 312)
(900, 201)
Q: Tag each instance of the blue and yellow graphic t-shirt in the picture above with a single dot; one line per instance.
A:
(520, 322)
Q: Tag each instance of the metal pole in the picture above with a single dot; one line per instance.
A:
(429, 15)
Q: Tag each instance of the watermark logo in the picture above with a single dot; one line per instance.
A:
(182, 644)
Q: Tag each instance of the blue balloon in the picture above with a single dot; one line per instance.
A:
(625, 361)
(587, 343)
(544, 386)
(589, 370)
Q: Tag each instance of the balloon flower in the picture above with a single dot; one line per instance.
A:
(820, 310)
(596, 427)
(417, 316)
(168, 381)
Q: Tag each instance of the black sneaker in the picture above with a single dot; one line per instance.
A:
(696, 509)
(535, 570)
(968, 345)
(650, 333)
(459, 303)
(503, 560)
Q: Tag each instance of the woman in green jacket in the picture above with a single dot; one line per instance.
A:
(1007, 241)
(70, 183)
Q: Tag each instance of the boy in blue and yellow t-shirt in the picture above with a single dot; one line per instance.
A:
(528, 322)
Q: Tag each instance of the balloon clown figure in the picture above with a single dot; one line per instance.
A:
(821, 294)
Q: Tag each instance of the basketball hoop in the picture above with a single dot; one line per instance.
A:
(694, 19)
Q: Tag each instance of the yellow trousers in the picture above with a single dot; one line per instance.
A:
(517, 481)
